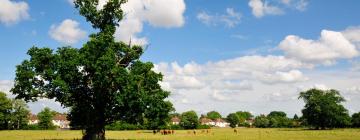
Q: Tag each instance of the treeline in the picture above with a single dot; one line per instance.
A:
(322, 110)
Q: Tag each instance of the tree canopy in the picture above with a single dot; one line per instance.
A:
(213, 115)
(189, 120)
(233, 119)
(5, 110)
(323, 109)
(102, 82)
(355, 119)
(45, 119)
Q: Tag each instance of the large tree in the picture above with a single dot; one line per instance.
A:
(101, 82)
(5, 110)
(323, 109)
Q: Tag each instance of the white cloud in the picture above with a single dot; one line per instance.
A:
(301, 5)
(285, 77)
(232, 75)
(352, 34)
(12, 12)
(326, 50)
(158, 13)
(353, 90)
(230, 19)
(67, 32)
(6, 85)
(260, 8)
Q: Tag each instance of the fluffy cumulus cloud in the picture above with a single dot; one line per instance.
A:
(352, 34)
(261, 8)
(326, 50)
(12, 12)
(230, 19)
(158, 13)
(232, 75)
(67, 32)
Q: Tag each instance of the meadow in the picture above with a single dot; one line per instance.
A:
(214, 134)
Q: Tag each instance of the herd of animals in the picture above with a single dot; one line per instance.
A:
(171, 132)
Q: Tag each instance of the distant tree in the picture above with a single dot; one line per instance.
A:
(5, 110)
(261, 121)
(278, 119)
(175, 115)
(244, 115)
(276, 114)
(233, 119)
(295, 117)
(189, 120)
(45, 119)
(355, 119)
(19, 114)
(323, 109)
(102, 82)
(213, 115)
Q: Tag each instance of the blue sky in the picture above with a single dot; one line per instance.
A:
(228, 55)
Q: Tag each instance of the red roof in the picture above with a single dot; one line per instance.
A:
(175, 119)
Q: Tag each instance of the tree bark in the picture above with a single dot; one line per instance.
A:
(95, 133)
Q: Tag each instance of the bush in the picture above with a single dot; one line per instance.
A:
(123, 126)
(32, 127)
(203, 126)
(176, 127)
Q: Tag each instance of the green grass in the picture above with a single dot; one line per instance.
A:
(214, 134)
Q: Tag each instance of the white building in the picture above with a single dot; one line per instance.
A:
(58, 120)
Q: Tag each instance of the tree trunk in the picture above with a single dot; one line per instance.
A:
(95, 133)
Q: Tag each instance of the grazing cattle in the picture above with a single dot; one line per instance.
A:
(235, 131)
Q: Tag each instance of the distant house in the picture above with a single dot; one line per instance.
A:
(175, 120)
(58, 120)
(250, 121)
(33, 119)
(217, 122)
(61, 121)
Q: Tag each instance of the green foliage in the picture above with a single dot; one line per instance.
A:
(278, 119)
(233, 119)
(276, 114)
(204, 126)
(45, 119)
(189, 120)
(32, 127)
(213, 115)
(102, 82)
(175, 127)
(355, 119)
(323, 109)
(261, 121)
(123, 126)
(244, 115)
(19, 114)
(5, 110)
(296, 117)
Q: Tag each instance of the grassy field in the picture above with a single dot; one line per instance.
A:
(214, 134)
